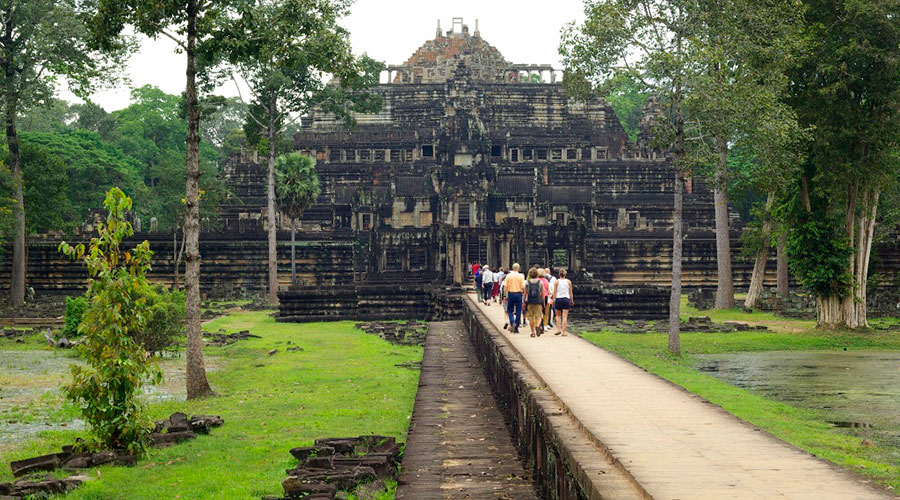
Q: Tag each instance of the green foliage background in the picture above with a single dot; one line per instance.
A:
(72, 154)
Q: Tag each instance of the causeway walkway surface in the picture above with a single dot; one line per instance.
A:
(675, 445)
(458, 445)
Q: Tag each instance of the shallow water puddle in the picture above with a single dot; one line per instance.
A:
(859, 392)
(31, 398)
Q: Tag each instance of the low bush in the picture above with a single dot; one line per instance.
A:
(165, 320)
(75, 309)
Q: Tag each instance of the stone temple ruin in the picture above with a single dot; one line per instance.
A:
(472, 157)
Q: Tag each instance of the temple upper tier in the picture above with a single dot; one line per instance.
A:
(458, 50)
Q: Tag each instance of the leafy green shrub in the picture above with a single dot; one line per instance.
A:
(165, 320)
(75, 309)
(819, 257)
(117, 366)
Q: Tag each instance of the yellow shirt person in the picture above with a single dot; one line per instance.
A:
(514, 282)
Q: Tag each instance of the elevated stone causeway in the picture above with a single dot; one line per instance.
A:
(670, 444)
(458, 446)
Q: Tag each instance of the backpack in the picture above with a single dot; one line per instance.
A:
(478, 277)
(534, 293)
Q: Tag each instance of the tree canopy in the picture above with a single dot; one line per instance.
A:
(846, 91)
(296, 183)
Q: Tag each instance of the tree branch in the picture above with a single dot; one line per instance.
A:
(174, 39)
(241, 97)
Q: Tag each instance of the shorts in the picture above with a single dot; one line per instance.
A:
(534, 313)
(563, 303)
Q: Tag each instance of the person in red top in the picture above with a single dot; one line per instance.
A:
(475, 268)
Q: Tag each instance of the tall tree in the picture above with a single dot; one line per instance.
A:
(741, 50)
(40, 41)
(847, 91)
(648, 42)
(189, 23)
(296, 188)
(287, 76)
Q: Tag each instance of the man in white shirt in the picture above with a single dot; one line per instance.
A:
(487, 281)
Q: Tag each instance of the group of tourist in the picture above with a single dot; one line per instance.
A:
(545, 298)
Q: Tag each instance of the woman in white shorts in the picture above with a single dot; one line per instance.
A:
(563, 299)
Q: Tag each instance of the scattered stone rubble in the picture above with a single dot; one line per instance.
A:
(702, 298)
(178, 427)
(41, 485)
(693, 324)
(334, 467)
(15, 334)
(60, 343)
(705, 324)
(407, 333)
(222, 339)
(796, 305)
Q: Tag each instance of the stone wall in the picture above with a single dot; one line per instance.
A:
(547, 438)
(411, 298)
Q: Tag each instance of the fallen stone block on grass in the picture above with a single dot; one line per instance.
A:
(407, 333)
(201, 424)
(303, 452)
(295, 487)
(332, 467)
(175, 429)
(222, 339)
(88, 460)
(163, 439)
(40, 486)
(37, 464)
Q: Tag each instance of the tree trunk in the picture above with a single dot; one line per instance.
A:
(678, 225)
(293, 251)
(270, 196)
(175, 258)
(725, 285)
(677, 238)
(851, 311)
(197, 385)
(177, 253)
(758, 277)
(17, 273)
(783, 274)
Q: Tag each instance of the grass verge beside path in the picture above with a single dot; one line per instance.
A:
(343, 383)
(805, 428)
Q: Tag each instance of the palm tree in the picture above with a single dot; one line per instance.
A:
(296, 188)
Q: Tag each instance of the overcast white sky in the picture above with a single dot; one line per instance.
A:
(525, 31)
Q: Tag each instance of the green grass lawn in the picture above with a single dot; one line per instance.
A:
(344, 383)
(807, 429)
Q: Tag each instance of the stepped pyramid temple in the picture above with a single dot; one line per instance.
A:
(471, 158)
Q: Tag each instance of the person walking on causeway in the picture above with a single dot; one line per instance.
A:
(479, 288)
(563, 299)
(487, 278)
(515, 286)
(535, 297)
